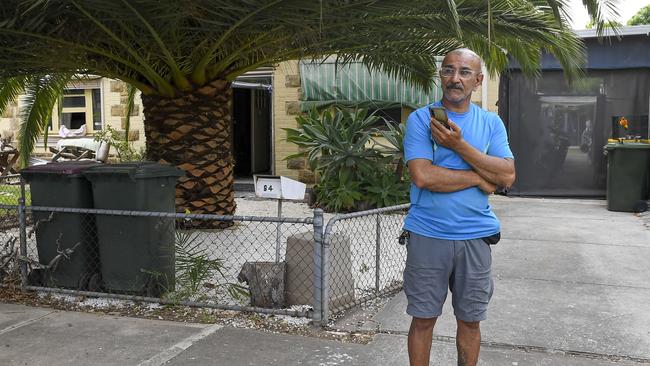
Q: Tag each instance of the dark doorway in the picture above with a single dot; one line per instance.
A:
(251, 131)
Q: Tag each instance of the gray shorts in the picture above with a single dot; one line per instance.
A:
(463, 266)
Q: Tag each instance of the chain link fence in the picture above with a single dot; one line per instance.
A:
(261, 264)
(10, 196)
(363, 256)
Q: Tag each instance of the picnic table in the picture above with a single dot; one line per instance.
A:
(8, 158)
(75, 149)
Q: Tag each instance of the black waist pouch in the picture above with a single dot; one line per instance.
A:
(492, 239)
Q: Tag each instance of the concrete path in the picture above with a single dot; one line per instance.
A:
(572, 288)
(570, 278)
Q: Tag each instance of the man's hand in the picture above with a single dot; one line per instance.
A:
(450, 139)
(487, 187)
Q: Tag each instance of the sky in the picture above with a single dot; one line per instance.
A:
(626, 9)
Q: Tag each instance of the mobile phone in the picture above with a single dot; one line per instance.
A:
(440, 114)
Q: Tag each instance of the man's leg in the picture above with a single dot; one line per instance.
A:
(472, 289)
(419, 342)
(468, 342)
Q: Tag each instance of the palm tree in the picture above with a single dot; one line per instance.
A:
(183, 54)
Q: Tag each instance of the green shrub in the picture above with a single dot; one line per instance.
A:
(355, 172)
(125, 150)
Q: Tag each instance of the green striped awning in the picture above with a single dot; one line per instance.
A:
(326, 83)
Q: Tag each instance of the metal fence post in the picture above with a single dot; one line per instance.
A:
(23, 234)
(377, 253)
(318, 265)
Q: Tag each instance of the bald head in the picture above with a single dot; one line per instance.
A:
(460, 75)
(467, 55)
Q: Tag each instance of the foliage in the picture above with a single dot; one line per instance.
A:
(354, 170)
(335, 140)
(125, 150)
(171, 48)
(40, 94)
(611, 25)
(642, 17)
(387, 189)
(195, 269)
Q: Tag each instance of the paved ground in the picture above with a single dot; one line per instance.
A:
(572, 288)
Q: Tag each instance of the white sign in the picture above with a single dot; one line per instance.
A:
(268, 187)
(273, 186)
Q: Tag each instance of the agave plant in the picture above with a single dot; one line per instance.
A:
(336, 140)
(339, 144)
(183, 55)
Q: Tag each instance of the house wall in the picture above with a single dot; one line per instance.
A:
(113, 114)
(492, 93)
(286, 107)
(114, 105)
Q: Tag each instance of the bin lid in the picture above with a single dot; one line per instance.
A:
(60, 168)
(627, 145)
(136, 170)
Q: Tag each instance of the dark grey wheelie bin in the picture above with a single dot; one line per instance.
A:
(70, 236)
(138, 254)
(627, 176)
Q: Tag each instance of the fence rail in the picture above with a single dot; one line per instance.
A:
(287, 266)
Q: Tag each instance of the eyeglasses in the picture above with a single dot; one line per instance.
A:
(447, 72)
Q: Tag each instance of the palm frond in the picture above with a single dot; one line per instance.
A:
(169, 47)
(130, 104)
(41, 95)
(10, 90)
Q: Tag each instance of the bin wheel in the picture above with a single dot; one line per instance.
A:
(95, 282)
(640, 206)
(82, 285)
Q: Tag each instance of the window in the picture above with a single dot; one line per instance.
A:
(79, 107)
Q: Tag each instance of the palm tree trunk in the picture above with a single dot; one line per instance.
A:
(193, 132)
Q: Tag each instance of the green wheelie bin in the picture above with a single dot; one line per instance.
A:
(65, 241)
(628, 170)
(138, 253)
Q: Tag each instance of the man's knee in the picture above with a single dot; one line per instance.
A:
(468, 325)
(423, 324)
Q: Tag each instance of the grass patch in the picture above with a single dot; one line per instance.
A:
(9, 195)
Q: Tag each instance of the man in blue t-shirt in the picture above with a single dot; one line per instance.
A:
(453, 170)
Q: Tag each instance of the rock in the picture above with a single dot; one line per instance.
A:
(265, 282)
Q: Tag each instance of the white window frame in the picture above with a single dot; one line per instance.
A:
(88, 110)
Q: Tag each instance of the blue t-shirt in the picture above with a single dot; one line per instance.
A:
(464, 214)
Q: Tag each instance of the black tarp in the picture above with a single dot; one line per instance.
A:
(557, 132)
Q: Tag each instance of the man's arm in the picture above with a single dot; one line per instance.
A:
(437, 179)
(499, 171)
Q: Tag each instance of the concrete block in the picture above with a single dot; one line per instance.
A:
(292, 81)
(117, 111)
(117, 86)
(307, 176)
(292, 108)
(298, 163)
(301, 257)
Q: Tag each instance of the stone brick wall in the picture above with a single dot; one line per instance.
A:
(114, 105)
(286, 107)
